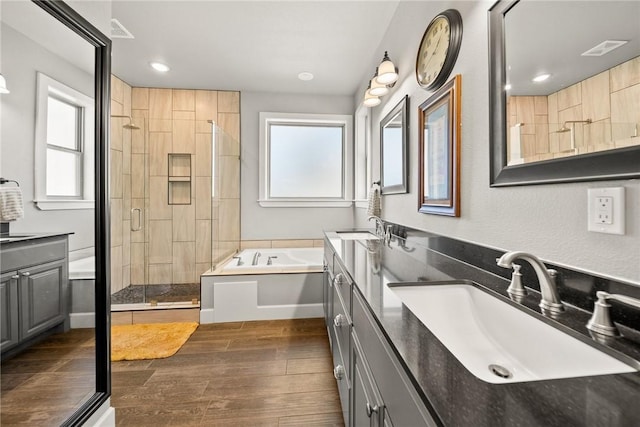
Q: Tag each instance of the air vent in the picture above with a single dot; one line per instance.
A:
(118, 31)
(604, 47)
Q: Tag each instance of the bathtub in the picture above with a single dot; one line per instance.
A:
(272, 260)
(287, 287)
(82, 284)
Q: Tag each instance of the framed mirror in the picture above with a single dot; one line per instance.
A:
(57, 67)
(394, 141)
(440, 129)
(564, 101)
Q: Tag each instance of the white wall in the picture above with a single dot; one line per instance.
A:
(21, 58)
(547, 220)
(258, 223)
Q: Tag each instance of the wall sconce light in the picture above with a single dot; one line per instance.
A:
(385, 77)
(3, 85)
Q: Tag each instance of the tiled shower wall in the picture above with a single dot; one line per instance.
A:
(120, 185)
(176, 243)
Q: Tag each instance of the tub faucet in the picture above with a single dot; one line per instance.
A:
(239, 261)
(550, 301)
(270, 259)
(255, 258)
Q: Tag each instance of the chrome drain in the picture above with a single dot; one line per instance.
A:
(500, 371)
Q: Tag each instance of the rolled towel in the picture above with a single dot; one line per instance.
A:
(11, 207)
(374, 201)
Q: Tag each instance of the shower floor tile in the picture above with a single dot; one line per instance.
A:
(136, 294)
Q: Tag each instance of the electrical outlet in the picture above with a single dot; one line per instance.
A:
(606, 210)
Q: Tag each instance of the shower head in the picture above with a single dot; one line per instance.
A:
(564, 127)
(130, 125)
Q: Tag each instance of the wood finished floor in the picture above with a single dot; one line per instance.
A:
(266, 373)
(45, 384)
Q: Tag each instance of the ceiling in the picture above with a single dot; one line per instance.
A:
(251, 45)
(549, 37)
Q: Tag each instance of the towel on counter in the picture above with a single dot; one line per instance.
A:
(374, 201)
(11, 207)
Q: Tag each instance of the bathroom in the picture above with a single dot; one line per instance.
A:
(549, 220)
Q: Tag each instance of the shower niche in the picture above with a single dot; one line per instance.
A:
(179, 178)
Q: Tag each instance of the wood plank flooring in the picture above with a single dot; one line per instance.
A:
(45, 384)
(267, 373)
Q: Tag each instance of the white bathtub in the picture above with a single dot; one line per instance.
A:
(289, 287)
(82, 269)
(275, 260)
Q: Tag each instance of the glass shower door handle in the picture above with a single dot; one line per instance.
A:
(139, 227)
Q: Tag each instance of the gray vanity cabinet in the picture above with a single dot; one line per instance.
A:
(35, 283)
(373, 385)
(9, 316)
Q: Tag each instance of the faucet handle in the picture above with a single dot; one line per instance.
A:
(516, 289)
(600, 321)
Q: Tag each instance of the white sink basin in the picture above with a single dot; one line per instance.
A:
(357, 235)
(481, 330)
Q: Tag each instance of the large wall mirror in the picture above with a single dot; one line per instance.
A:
(49, 52)
(393, 149)
(564, 91)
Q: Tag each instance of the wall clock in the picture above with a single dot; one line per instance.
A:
(439, 49)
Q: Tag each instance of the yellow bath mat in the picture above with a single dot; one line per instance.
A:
(149, 341)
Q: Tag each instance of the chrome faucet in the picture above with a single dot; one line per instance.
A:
(600, 321)
(550, 301)
(270, 259)
(255, 258)
(239, 261)
(382, 231)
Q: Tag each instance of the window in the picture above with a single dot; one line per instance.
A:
(64, 147)
(363, 180)
(305, 160)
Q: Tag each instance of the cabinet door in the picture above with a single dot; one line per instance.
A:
(9, 310)
(42, 297)
(366, 404)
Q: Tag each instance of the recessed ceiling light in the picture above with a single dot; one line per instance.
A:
(540, 78)
(159, 66)
(305, 76)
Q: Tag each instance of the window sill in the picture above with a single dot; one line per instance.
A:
(305, 203)
(63, 205)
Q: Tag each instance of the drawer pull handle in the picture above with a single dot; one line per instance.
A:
(15, 277)
(371, 409)
(338, 279)
(26, 274)
(338, 321)
(338, 372)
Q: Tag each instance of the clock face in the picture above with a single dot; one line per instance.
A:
(433, 51)
(439, 49)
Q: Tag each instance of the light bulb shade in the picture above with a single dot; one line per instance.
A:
(370, 100)
(377, 89)
(387, 72)
(3, 85)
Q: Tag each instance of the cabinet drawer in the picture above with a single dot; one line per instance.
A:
(341, 324)
(401, 400)
(344, 388)
(342, 283)
(18, 255)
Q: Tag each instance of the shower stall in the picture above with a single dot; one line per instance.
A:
(175, 199)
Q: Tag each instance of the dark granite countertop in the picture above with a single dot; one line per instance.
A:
(455, 396)
(22, 237)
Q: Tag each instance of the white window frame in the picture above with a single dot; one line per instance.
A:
(362, 159)
(46, 86)
(267, 119)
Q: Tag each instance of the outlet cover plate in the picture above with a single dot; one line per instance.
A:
(614, 224)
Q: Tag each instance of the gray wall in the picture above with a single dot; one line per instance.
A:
(258, 223)
(21, 58)
(547, 220)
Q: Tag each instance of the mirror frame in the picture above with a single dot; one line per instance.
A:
(621, 163)
(401, 108)
(102, 81)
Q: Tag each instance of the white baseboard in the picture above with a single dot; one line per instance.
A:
(105, 416)
(82, 320)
